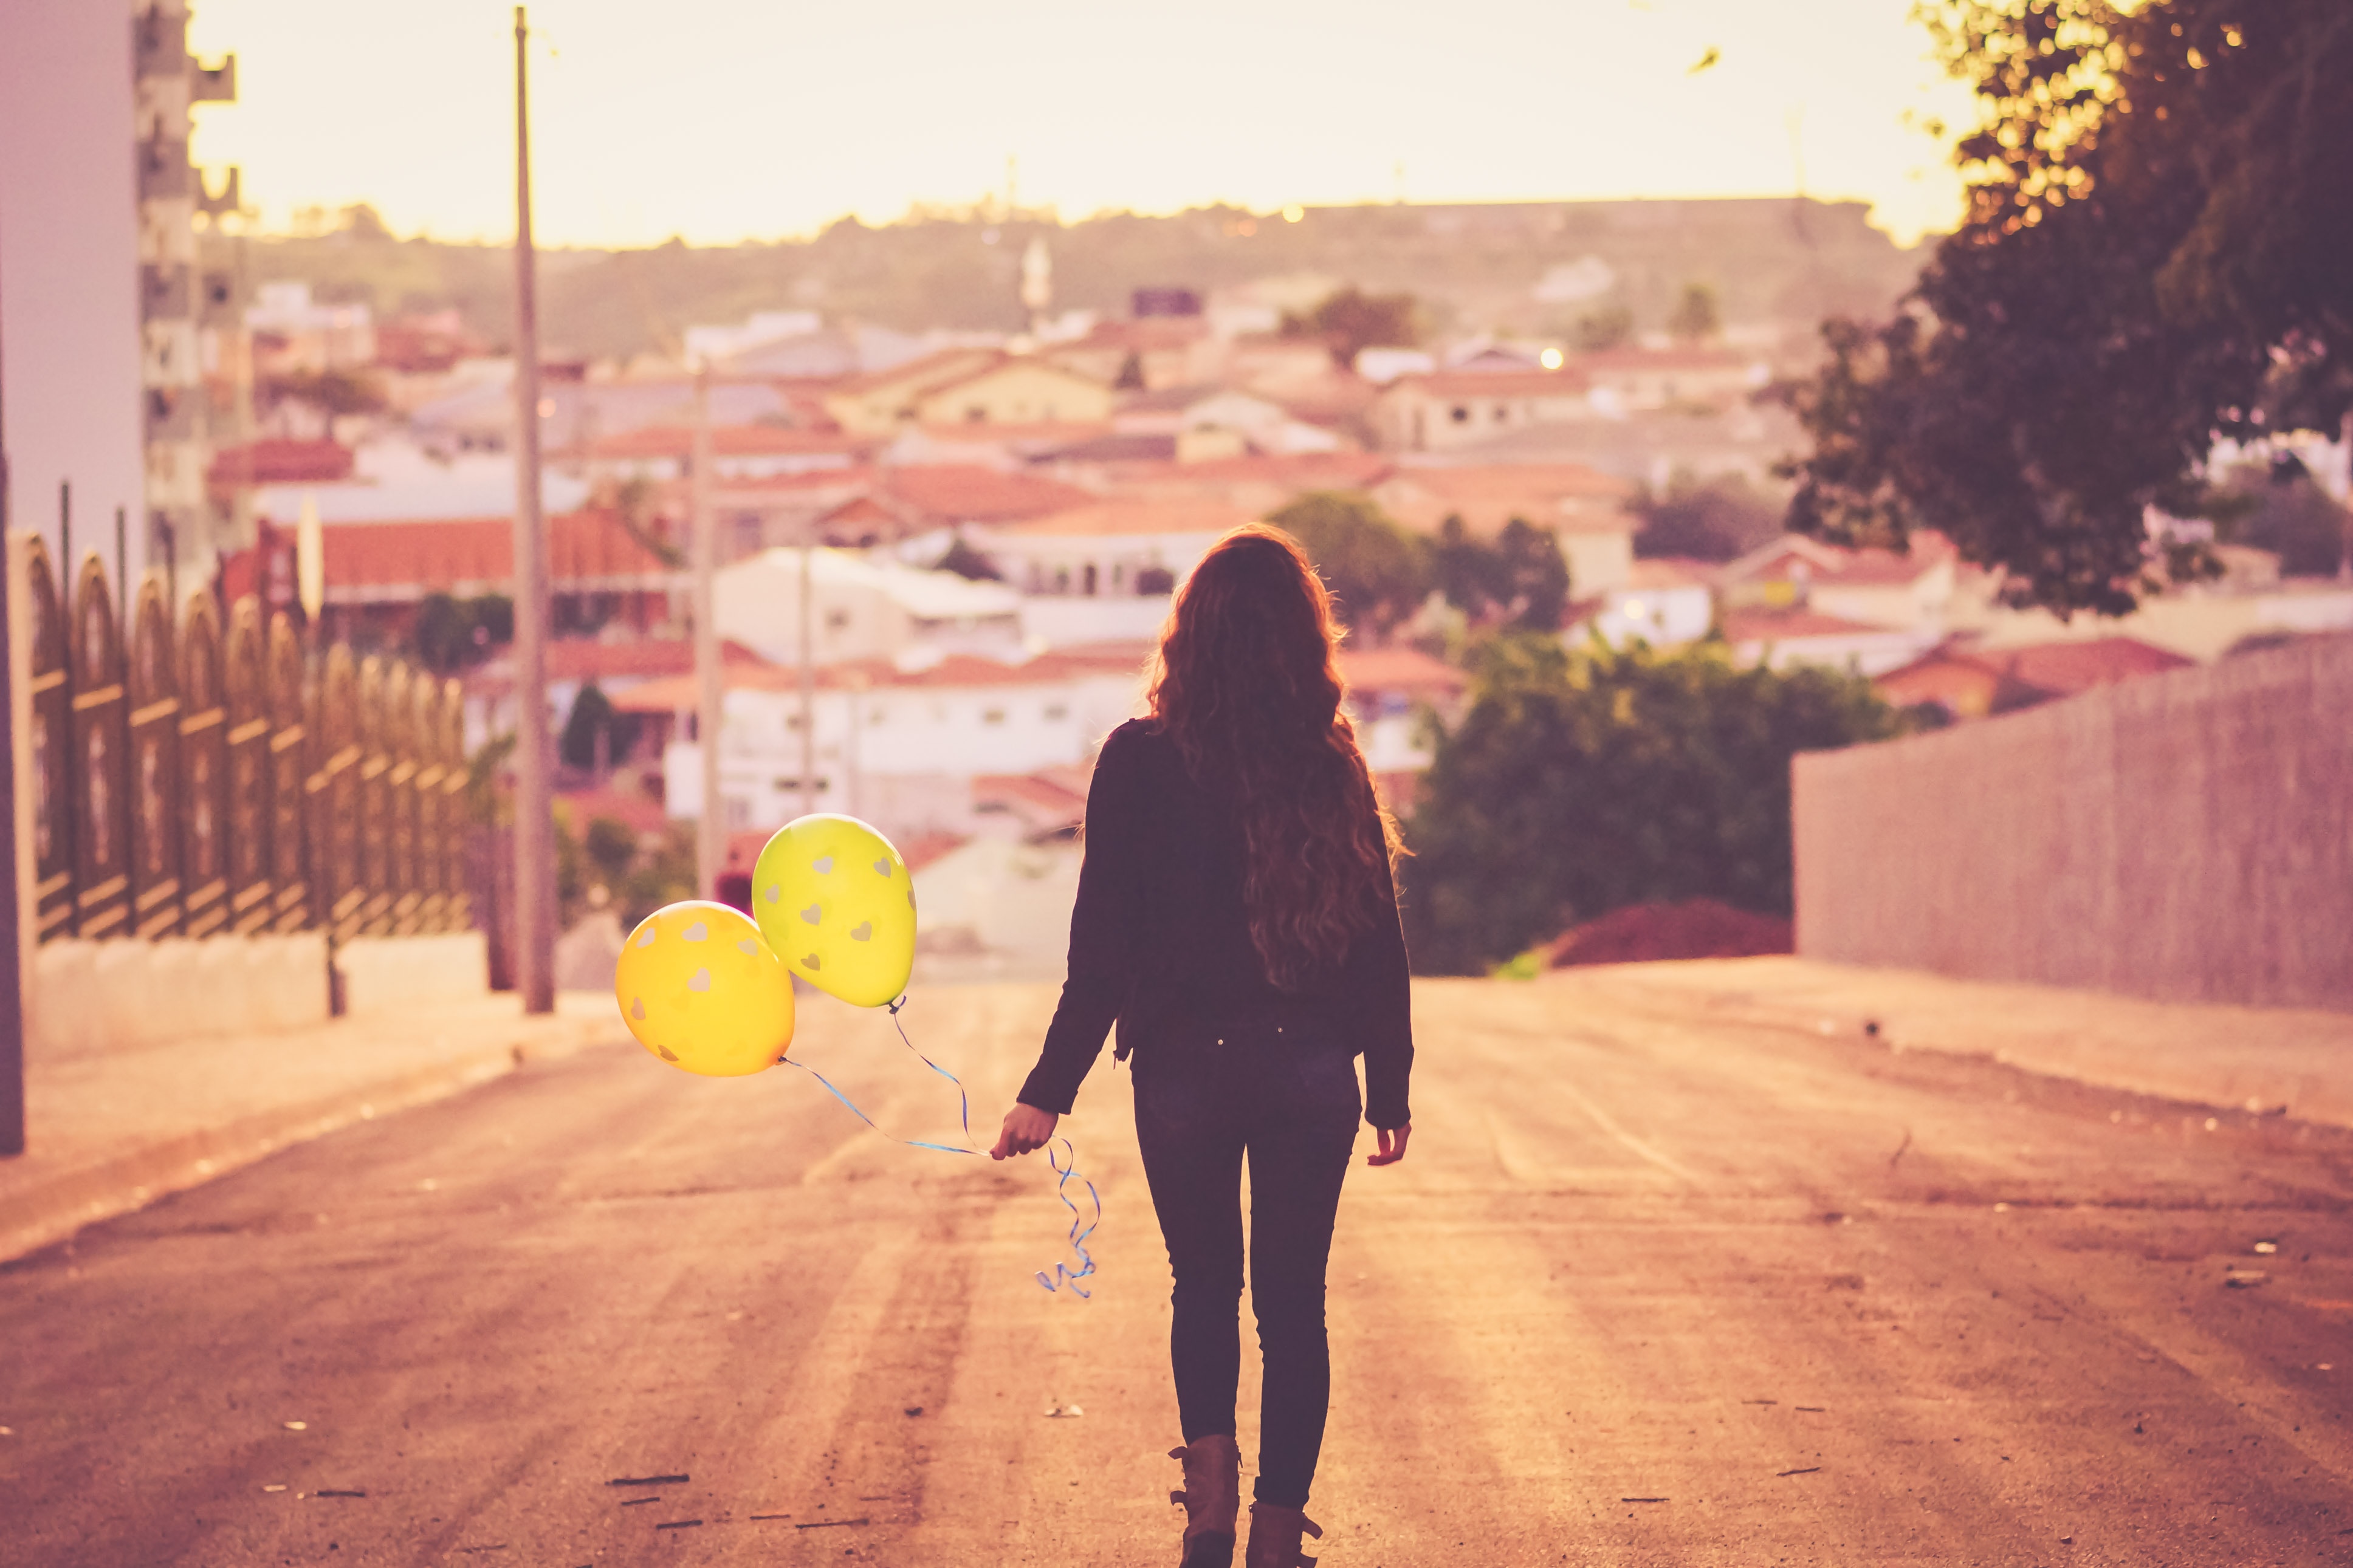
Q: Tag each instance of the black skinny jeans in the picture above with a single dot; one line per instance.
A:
(1291, 1106)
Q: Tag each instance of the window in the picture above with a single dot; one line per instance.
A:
(1501, 414)
(1056, 712)
(976, 415)
(837, 620)
(993, 716)
(1087, 579)
(1460, 414)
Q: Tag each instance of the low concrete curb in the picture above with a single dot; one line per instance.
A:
(45, 1206)
(2296, 1062)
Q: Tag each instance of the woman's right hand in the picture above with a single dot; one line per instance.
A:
(1392, 1144)
(1026, 1127)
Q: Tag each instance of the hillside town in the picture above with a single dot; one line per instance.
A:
(984, 530)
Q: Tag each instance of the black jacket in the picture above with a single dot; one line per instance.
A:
(1160, 942)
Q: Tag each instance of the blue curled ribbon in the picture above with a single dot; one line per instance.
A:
(1063, 1274)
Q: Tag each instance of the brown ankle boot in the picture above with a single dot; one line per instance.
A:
(1212, 1498)
(1274, 1537)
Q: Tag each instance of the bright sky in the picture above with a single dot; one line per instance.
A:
(726, 120)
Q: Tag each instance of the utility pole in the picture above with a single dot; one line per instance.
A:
(534, 833)
(809, 674)
(12, 974)
(709, 697)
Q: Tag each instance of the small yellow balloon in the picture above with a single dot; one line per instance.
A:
(700, 989)
(835, 902)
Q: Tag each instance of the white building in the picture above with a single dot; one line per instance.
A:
(901, 744)
(861, 608)
(1661, 603)
(1102, 573)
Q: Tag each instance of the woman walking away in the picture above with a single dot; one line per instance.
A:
(1237, 918)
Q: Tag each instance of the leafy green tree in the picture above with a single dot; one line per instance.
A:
(611, 848)
(2153, 255)
(1704, 520)
(1378, 572)
(1612, 327)
(1580, 783)
(450, 634)
(1697, 317)
(1352, 321)
(968, 562)
(592, 717)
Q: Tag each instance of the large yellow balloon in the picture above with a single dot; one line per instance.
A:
(700, 989)
(835, 901)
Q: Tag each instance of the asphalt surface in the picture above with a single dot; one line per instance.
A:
(1654, 1285)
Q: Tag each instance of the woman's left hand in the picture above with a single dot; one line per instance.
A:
(1026, 1127)
(1392, 1144)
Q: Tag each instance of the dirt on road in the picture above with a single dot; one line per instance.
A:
(1655, 1286)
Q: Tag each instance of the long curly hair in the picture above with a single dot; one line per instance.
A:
(1247, 683)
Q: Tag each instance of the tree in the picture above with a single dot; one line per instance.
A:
(1378, 572)
(1702, 520)
(1612, 327)
(2153, 255)
(966, 561)
(2280, 509)
(451, 634)
(1352, 321)
(1580, 783)
(1695, 318)
(595, 717)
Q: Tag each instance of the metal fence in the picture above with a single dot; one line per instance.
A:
(209, 781)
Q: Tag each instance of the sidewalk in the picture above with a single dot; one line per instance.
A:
(2274, 1060)
(109, 1130)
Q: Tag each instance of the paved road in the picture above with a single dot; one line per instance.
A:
(1661, 1282)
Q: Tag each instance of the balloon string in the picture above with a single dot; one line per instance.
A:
(1081, 1227)
(909, 1142)
(964, 1101)
(1063, 1274)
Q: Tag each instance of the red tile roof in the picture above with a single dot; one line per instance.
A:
(1134, 515)
(1495, 384)
(377, 562)
(731, 441)
(278, 461)
(1661, 359)
(1747, 626)
(956, 492)
(2067, 667)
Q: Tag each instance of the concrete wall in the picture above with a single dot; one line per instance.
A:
(384, 974)
(2187, 836)
(88, 997)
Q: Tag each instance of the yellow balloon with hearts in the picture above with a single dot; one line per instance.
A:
(835, 902)
(699, 989)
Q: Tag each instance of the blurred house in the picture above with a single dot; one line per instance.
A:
(1150, 353)
(377, 573)
(1396, 695)
(898, 742)
(1785, 636)
(1103, 571)
(1449, 410)
(916, 507)
(1968, 682)
(1637, 379)
(861, 607)
(1661, 603)
(968, 386)
(1912, 590)
(294, 332)
(1580, 508)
